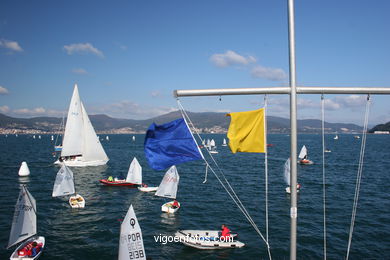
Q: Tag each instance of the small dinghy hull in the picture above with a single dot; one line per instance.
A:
(77, 201)
(305, 162)
(167, 207)
(148, 189)
(118, 183)
(207, 239)
(39, 240)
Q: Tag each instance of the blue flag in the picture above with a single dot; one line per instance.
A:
(170, 144)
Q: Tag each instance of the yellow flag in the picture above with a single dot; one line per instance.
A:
(247, 131)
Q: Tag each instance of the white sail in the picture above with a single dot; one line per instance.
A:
(64, 184)
(224, 142)
(92, 148)
(287, 172)
(303, 152)
(134, 174)
(212, 143)
(133, 138)
(131, 244)
(24, 222)
(72, 143)
(168, 185)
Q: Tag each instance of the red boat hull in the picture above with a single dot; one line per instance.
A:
(118, 183)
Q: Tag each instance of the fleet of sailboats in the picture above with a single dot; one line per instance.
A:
(80, 145)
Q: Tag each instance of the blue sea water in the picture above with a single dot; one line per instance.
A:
(93, 232)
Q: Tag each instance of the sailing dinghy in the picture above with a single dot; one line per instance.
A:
(131, 244)
(303, 157)
(207, 239)
(287, 176)
(168, 189)
(133, 179)
(212, 147)
(80, 146)
(64, 186)
(24, 228)
(224, 142)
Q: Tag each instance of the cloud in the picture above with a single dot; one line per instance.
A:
(130, 109)
(4, 109)
(79, 71)
(155, 93)
(10, 45)
(351, 101)
(38, 111)
(230, 58)
(3, 91)
(273, 74)
(82, 48)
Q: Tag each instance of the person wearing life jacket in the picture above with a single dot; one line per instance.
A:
(110, 178)
(175, 204)
(225, 232)
(35, 249)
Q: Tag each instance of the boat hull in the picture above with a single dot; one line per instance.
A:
(77, 201)
(167, 207)
(37, 239)
(305, 162)
(80, 163)
(207, 239)
(118, 183)
(148, 189)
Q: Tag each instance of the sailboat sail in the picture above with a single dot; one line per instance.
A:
(135, 172)
(73, 135)
(212, 143)
(169, 184)
(24, 222)
(303, 152)
(287, 172)
(131, 245)
(64, 184)
(92, 148)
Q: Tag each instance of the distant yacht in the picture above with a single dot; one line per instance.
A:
(80, 146)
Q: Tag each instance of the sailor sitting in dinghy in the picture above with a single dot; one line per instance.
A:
(225, 232)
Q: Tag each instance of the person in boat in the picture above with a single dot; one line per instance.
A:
(175, 204)
(110, 178)
(225, 232)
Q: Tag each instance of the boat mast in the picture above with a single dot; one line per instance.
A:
(293, 135)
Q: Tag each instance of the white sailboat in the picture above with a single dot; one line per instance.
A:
(336, 137)
(168, 189)
(80, 146)
(107, 138)
(224, 142)
(131, 244)
(303, 157)
(24, 228)
(287, 176)
(133, 178)
(133, 138)
(64, 186)
(212, 147)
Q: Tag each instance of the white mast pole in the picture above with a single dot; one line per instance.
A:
(293, 135)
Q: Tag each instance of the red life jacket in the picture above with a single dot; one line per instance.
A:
(175, 204)
(225, 232)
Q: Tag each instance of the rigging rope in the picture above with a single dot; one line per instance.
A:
(359, 174)
(323, 167)
(228, 188)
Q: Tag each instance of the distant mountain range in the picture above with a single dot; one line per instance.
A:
(380, 127)
(206, 122)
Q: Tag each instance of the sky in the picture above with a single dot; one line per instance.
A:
(128, 57)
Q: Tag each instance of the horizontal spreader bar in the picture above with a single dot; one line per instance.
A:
(281, 90)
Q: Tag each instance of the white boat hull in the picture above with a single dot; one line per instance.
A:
(167, 207)
(80, 163)
(77, 201)
(15, 255)
(206, 239)
(148, 189)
